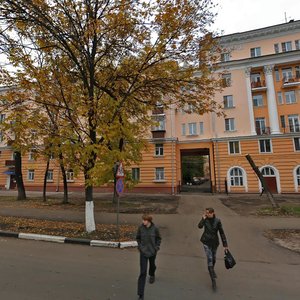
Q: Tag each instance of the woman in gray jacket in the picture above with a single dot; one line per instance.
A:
(148, 239)
(210, 240)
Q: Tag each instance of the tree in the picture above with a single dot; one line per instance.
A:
(116, 60)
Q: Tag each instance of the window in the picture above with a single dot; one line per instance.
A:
(159, 149)
(160, 123)
(135, 174)
(50, 175)
(192, 128)
(236, 177)
(267, 171)
(183, 131)
(258, 100)
(201, 127)
(159, 173)
(279, 98)
(234, 147)
(282, 121)
(297, 69)
(290, 97)
(255, 52)
(229, 124)
(265, 146)
(286, 46)
(32, 154)
(225, 57)
(30, 175)
(228, 101)
(70, 175)
(2, 118)
(294, 123)
(226, 80)
(276, 48)
(297, 44)
(277, 74)
(298, 175)
(297, 143)
(260, 125)
(287, 74)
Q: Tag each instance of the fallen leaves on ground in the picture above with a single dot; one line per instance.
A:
(105, 232)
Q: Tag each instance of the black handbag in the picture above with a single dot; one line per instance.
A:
(229, 260)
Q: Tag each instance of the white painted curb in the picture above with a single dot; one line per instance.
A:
(98, 243)
(42, 237)
(128, 244)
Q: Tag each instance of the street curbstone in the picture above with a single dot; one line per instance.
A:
(98, 243)
(9, 233)
(130, 244)
(42, 237)
(77, 241)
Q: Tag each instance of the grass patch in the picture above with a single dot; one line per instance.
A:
(285, 210)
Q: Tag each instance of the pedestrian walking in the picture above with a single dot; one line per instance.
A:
(148, 239)
(210, 239)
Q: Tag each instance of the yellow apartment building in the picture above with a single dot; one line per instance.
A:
(261, 100)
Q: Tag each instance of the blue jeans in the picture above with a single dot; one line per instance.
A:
(211, 254)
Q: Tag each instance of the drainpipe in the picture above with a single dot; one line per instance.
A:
(172, 150)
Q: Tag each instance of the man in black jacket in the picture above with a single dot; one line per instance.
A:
(210, 240)
(148, 239)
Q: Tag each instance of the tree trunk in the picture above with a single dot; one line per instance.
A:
(63, 172)
(89, 210)
(19, 177)
(45, 180)
(262, 180)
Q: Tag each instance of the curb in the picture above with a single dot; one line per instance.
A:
(61, 239)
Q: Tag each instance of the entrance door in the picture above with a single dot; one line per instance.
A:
(13, 183)
(270, 179)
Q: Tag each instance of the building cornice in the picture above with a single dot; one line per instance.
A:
(275, 59)
(261, 33)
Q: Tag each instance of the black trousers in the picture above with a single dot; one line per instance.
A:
(143, 271)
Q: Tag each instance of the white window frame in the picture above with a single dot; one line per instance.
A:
(236, 177)
(296, 144)
(279, 98)
(297, 178)
(228, 101)
(276, 48)
(70, 175)
(136, 174)
(2, 118)
(293, 121)
(297, 44)
(287, 46)
(234, 147)
(262, 144)
(255, 52)
(192, 128)
(159, 174)
(201, 127)
(183, 129)
(50, 174)
(30, 175)
(226, 79)
(161, 123)
(287, 73)
(258, 100)
(159, 149)
(290, 97)
(229, 124)
(31, 154)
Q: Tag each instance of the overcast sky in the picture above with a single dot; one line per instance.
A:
(243, 15)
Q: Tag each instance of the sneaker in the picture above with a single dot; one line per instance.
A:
(141, 297)
(151, 279)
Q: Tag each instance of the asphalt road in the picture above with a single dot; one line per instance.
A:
(43, 270)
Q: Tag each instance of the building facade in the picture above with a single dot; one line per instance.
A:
(261, 100)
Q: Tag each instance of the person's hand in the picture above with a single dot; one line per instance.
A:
(204, 216)
(225, 248)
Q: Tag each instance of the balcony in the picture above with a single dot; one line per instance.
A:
(257, 86)
(10, 163)
(263, 130)
(159, 110)
(290, 81)
(291, 129)
(158, 134)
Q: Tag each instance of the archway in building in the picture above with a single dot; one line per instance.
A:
(195, 170)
